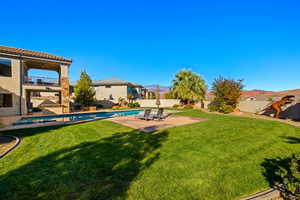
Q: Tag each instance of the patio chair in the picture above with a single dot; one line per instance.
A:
(146, 115)
(160, 114)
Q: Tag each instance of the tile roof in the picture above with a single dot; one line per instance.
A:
(115, 81)
(24, 52)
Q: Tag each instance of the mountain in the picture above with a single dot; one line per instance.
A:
(153, 88)
(258, 93)
(255, 93)
(261, 95)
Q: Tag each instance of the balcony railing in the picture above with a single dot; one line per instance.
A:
(41, 81)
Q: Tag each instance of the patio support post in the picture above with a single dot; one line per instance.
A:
(65, 88)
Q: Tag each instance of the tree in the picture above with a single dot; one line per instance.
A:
(227, 93)
(150, 95)
(84, 93)
(169, 95)
(189, 87)
(157, 96)
(130, 98)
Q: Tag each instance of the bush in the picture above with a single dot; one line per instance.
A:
(176, 106)
(226, 108)
(36, 109)
(99, 106)
(227, 93)
(133, 105)
(213, 107)
(188, 106)
(290, 177)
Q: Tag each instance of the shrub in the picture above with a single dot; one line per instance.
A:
(188, 106)
(36, 109)
(290, 176)
(270, 99)
(176, 106)
(169, 95)
(226, 108)
(133, 105)
(227, 93)
(212, 107)
(99, 106)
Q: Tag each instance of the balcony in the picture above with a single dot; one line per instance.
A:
(41, 81)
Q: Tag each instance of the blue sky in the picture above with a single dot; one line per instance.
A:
(149, 41)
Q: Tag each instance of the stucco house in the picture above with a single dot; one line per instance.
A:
(108, 91)
(113, 88)
(17, 86)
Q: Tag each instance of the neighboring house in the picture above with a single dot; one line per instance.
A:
(113, 88)
(251, 99)
(17, 87)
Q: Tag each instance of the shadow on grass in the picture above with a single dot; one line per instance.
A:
(292, 140)
(92, 170)
(272, 168)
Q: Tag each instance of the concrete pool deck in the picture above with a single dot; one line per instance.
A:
(154, 125)
(9, 120)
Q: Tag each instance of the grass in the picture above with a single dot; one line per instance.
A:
(225, 157)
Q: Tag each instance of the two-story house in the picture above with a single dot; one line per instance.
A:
(113, 88)
(17, 86)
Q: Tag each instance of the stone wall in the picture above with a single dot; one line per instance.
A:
(65, 88)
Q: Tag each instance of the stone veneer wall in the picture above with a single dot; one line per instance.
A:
(65, 88)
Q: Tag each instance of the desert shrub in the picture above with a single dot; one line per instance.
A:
(188, 106)
(133, 105)
(270, 99)
(169, 95)
(151, 95)
(36, 109)
(213, 107)
(225, 108)
(99, 106)
(137, 104)
(290, 177)
(227, 93)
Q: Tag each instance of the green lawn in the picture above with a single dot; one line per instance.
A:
(225, 157)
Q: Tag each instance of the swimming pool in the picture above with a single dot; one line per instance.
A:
(74, 117)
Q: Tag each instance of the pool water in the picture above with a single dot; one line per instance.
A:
(75, 117)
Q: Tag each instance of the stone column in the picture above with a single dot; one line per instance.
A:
(65, 88)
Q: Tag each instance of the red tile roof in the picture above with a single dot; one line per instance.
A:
(24, 52)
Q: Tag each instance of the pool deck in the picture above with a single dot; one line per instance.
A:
(9, 120)
(154, 125)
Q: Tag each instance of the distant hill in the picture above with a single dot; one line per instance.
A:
(257, 93)
(262, 94)
(163, 89)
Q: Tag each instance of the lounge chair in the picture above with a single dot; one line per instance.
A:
(146, 115)
(160, 114)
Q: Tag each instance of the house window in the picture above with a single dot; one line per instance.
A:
(5, 100)
(108, 86)
(5, 68)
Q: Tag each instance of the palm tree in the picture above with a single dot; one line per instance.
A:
(189, 87)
